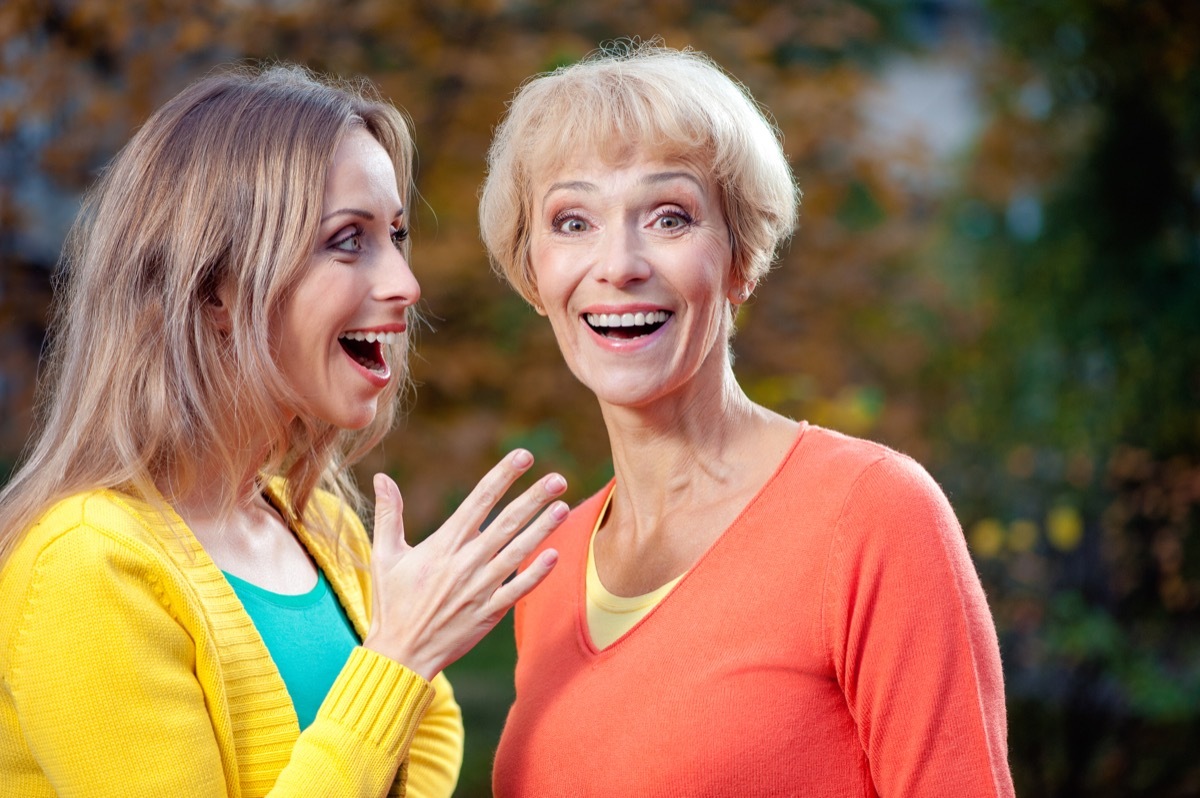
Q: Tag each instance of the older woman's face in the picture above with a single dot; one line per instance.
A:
(633, 269)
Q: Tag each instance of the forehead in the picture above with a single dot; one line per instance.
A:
(361, 169)
(611, 169)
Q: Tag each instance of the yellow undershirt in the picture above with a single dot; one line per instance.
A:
(610, 616)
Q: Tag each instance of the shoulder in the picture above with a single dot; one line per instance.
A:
(95, 519)
(85, 544)
(863, 472)
(894, 519)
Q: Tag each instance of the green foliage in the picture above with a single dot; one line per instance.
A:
(1075, 251)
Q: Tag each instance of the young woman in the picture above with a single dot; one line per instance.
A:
(189, 605)
(754, 605)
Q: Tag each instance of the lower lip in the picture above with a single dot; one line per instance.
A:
(627, 344)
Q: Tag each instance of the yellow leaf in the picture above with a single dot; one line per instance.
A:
(987, 537)
(1064, 528)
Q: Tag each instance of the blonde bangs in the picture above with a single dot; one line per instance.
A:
(652, 100)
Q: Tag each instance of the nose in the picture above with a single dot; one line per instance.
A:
(395, 281)
(623, 257)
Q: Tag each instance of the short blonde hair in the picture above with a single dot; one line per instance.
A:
(627, 96)
(221, 188)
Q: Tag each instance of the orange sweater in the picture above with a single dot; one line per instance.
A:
(835, 641)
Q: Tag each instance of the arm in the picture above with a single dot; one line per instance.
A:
(102, 670)
(912, 641)
(435, 756)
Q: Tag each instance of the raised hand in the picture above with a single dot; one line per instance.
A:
(432, 602)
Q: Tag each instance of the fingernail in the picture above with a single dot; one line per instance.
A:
(559, 511)
(522, 459)
(555, 484)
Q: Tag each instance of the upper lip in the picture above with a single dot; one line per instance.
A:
(396, 327)
(632, 307)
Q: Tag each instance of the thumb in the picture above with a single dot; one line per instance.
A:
(389, 519)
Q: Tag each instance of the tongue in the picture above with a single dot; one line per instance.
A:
(365, 352)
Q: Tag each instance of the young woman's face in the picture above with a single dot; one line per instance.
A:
(633, 265)
(352, 300)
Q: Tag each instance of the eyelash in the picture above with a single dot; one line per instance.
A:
(397, 235)
(563, 218)
(683, 216)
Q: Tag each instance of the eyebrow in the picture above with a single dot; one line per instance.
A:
(370, 217)
(654, 179)
(666, 177)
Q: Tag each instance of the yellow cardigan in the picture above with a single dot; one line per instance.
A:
(129, 668)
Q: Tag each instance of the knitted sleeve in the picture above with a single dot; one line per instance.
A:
(436, 753)
(102, 673)
(912, 641)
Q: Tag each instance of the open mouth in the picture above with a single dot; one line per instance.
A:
(366, 348)
(627, 325)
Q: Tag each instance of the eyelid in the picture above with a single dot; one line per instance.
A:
(344, 234)
(671, 210)
(562, 217)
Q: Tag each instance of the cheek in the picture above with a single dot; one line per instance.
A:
(552, 284)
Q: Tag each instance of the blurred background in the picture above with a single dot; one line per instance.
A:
(997, 271)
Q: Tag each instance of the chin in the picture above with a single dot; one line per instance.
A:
(354, 420)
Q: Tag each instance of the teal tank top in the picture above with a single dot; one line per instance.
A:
(308, 636)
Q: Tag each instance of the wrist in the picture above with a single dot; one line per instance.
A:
(407, 655)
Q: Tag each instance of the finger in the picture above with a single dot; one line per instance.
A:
(471, 514)
(520, 512)
(389, 518)
(526, 542)
(520, 585)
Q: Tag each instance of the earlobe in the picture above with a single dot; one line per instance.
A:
(739, 292)
(535, 301)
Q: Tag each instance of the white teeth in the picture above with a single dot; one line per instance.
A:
(371, 337)
(627, 319)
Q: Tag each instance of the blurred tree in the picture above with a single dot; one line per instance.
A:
(1068, 392)
(1019, 320)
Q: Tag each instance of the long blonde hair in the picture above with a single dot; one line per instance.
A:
(223, 186)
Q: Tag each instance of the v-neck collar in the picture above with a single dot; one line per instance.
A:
(726, 538)
(213, 590)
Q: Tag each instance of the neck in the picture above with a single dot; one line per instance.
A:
(205, 490)
(684, 450)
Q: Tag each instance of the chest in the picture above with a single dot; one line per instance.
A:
(726, 687)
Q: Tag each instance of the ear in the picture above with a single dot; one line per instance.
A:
(535, 297)
(217, 308)
(740, 291)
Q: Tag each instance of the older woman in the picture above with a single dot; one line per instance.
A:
(753, 605)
